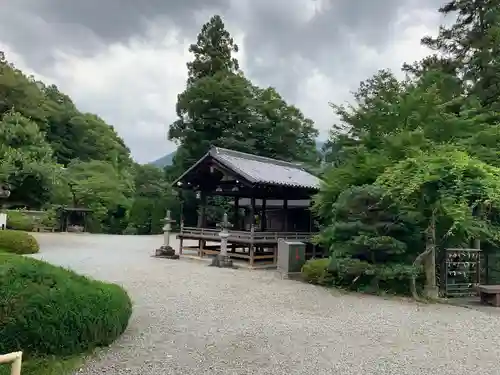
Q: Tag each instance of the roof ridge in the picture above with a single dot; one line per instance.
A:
(262, 158)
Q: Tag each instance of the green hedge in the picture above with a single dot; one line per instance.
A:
(13, 241)
(315, 271)
(357, 275)
(46, 309)
(17, 220)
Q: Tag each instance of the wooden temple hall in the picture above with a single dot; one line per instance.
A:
(269, 199)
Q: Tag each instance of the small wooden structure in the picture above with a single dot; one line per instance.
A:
(251, 182)
(73, 219)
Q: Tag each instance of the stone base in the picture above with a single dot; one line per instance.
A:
(222, 261)
(166, 252)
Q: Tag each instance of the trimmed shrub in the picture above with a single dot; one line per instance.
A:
(13, 241)
(315, 271)
(357, 275)
(17, 220)
(50, 219)
(46, 309)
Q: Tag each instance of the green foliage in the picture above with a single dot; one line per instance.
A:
(48, 365)
(17, 220)
(212, 51)
(472, 43)
(358, 275)
(372, 241)
(70, 133)
(25, 160)
(41, 129)
(366, 224)
(96, 185)
(221, 107)
(50, 219)
(428, 143)
(315, 271)
(18, 242)
(153, 197)
(452, 186)
(50, 310)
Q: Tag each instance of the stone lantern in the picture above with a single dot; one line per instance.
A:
(222, 259)
(167, 251)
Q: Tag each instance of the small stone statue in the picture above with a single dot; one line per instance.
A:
(167, 251)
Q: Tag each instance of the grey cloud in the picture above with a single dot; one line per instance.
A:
(36, 28)
(280, 48)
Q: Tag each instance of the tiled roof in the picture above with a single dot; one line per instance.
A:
(262, 170)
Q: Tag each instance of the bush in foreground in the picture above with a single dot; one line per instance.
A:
(46, 309)
(13, 241)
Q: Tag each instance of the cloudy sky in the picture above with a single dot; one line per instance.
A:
(125, 59)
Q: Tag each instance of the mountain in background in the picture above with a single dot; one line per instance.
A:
(167, 160)
(164, 161)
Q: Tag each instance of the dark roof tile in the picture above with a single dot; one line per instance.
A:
(259, 169)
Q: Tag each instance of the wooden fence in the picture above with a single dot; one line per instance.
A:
(250, 236)
(14, 359)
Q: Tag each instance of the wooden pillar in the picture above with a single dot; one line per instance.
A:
(202, 220)
(285, 215)
(181, 222)
(252, 229)
(263, 219)
(202, 210)
(252, 211)
(236, 219)
(251, 249)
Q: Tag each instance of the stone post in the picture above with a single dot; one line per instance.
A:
(224, 234)
(222, 259)
(167, 251)
(166, 229)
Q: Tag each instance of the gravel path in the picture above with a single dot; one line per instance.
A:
(193, 319)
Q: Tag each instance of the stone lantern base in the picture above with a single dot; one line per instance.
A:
(222, 261)
(166, 252)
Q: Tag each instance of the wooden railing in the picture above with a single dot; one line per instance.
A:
(15, 360)
(247, 235)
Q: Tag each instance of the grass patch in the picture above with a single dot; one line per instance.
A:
(50, 365)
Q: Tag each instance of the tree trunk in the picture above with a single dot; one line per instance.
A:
(428, 260)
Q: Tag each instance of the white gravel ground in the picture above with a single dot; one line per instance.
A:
(193, 319)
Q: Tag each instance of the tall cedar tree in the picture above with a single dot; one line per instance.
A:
(212, 51)
(221, 107)
(472, 43)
